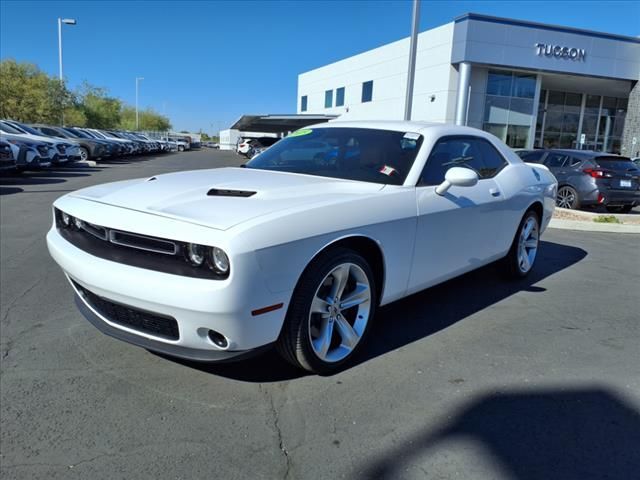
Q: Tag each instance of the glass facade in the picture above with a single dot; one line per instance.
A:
(563, 117)
(509, 109)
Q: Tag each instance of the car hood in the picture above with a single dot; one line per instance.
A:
(213, 198)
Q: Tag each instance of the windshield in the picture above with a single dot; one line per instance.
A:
(363, 154)
(98, 135)
(76, 133)
(6, 128)
(28, 129)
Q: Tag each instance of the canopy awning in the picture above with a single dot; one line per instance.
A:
(278, 123)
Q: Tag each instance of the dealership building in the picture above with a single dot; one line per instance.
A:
(530, 84)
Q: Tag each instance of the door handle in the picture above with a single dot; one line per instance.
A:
(494, 192)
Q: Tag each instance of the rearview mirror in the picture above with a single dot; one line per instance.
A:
(458, 176)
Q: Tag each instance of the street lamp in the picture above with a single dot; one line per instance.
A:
(66, 21)
(137, 80)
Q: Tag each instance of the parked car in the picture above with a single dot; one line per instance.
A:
(182, 144)
(88, 148)
(259, 145)
(244, 146)
(98, 149)
(127, 147)
(67, 147)
(57, 154)
(294, 251)
(8, 161)
(588, 178)
(29, 154)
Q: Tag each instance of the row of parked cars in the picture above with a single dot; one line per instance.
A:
(38, 146)
(588, 179)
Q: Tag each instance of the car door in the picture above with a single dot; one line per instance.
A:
(464, 228)
(555, 161)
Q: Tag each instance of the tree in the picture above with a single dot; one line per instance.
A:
(148, 119)
(100, 110)
(27, 94)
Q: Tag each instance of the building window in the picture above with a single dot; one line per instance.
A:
(340, 97)
(509, 106)
(367, 91)
(303, 103)
(328, 99)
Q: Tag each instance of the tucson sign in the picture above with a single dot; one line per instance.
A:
(559, 51)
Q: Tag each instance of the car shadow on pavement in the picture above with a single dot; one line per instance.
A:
(529, 434)
(417, 316)
(9, 190)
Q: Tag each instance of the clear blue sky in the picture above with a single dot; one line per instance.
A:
(208, 63)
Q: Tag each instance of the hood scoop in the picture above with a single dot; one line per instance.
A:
(223, 192)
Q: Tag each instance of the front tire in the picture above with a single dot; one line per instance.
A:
(524, 249)
(330, 312)
(84, 154)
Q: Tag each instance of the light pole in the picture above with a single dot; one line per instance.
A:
(137, 80)
(415, 25)
(66, 21)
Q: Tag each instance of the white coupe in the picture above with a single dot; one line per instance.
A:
(301, 246)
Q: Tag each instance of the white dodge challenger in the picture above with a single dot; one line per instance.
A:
(298, 248)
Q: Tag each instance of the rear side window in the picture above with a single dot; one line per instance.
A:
(469, 152)
(533, 157)
(574, 162)
(555, 160)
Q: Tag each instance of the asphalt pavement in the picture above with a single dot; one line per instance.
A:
(478, 378)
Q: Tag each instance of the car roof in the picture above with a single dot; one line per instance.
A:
(583, 154)
(436, 129)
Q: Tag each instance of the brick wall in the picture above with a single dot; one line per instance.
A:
(632, 124)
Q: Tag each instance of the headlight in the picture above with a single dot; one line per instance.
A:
(77, 223)
(196, 254)
(219, 260)
(66, 219)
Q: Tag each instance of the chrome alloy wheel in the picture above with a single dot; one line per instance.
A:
(566, 198)
(339, 312)
(528, 244)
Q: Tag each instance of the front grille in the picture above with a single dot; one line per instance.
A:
(43, 150)
(152, 323)
(62, 149)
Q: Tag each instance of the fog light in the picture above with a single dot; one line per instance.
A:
(218, 339)
(219, 260)
(195, 254)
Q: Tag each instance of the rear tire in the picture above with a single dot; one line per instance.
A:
(567, 197)
(523, 252)
(330, 312)
(620, 209)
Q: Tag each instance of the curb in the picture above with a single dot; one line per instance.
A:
(593, 226)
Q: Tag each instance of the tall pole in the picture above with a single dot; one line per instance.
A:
(412, 59)
(60, 48)
(137, 79)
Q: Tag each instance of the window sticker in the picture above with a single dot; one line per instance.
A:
(411, 136)
(301, 132)
(387, 170)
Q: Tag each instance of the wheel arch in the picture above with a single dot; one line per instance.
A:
(364, 245)
(537, 207)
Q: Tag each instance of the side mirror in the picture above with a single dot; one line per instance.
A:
(458, 176)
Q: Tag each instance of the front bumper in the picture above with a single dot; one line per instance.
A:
(194, 354)
(197, 305)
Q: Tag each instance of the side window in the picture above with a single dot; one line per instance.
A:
(491, 160)
(574, 162)
(533, 157)
(555, 160)
(469, 152)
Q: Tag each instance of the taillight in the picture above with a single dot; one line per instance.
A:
(597, 173)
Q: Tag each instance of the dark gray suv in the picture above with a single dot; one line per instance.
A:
(587, 178)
